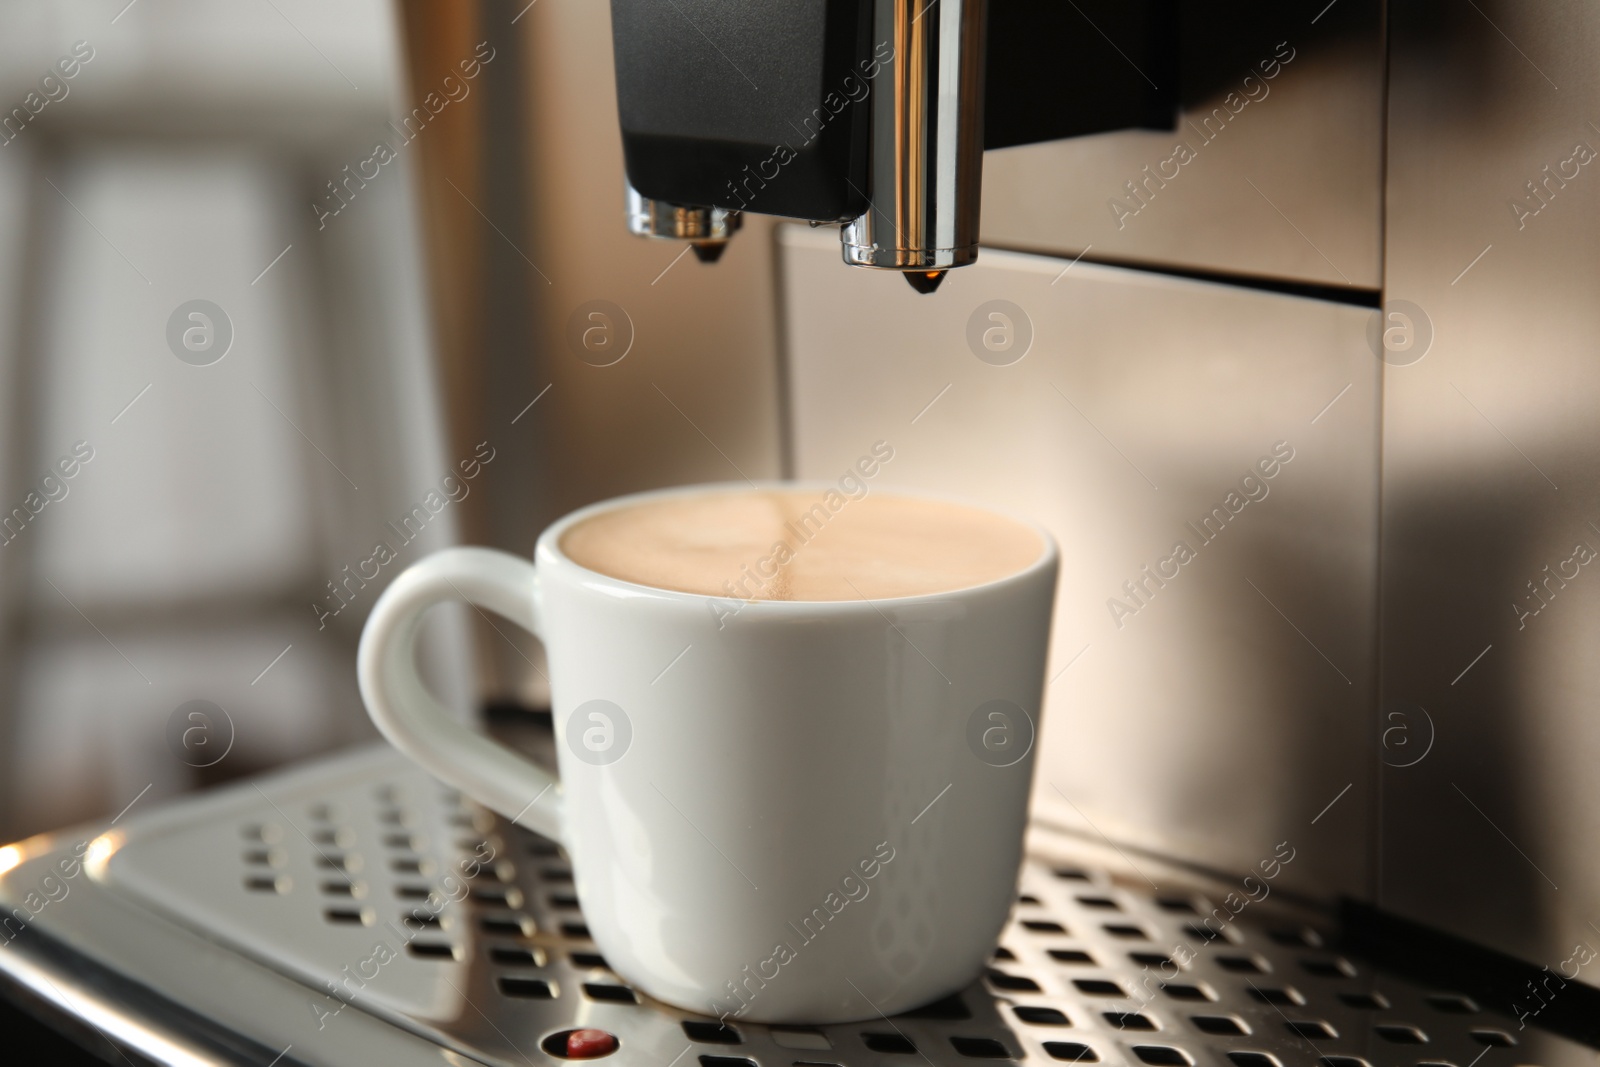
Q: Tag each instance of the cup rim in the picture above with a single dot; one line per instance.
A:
(547, 550)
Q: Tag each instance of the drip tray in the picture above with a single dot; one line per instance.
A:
(353, 911)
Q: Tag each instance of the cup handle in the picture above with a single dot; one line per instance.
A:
(415, 722)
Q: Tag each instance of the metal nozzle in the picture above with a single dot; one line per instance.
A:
(708, 227)
(925, 164)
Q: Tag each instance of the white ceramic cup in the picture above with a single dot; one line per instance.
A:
(780, 811)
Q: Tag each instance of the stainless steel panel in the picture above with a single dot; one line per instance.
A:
(1490, 477)
(695, 398)
(1227, 713)
(528, 243)
(1285, 180)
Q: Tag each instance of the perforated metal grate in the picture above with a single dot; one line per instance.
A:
(486, 951)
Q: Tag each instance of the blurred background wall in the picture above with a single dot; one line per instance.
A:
(391, 315)
(229, 467)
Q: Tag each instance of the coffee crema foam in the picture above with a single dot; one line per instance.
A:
(789, 544)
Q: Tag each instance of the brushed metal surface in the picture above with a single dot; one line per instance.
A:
(1226, 713)
(1490, 475)
(1284, 181)
(1105, 960)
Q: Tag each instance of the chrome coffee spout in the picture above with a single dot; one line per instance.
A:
(707, 228)
(862, 113)
(925, 160)
(872, 115)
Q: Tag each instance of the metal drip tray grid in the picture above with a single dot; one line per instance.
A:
(384, 896)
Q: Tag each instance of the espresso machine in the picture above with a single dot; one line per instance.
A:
(1275, 314)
